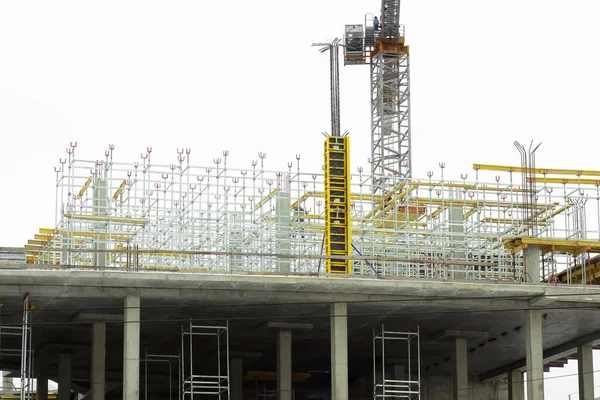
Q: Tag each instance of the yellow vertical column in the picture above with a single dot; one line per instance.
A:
(338, 240)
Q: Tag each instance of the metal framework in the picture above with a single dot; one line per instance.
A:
(390, 113)
(384, 49)
(404, 349)
(10, 335)
(145, 216)
(172, 362)
(26, 392)
(205, 378)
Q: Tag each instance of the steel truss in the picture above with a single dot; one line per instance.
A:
(396, 384)
(390, 118)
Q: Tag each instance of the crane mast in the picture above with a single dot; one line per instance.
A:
(383, 48)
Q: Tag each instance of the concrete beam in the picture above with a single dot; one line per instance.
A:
(542, 301)
(96, 317)
(107, 284)
(551, 354)
(451, 334)
(289, 326)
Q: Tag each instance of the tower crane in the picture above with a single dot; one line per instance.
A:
(382, 47)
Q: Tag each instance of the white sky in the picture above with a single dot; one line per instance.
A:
(241, 75)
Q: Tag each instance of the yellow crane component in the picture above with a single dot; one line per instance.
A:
(84, 188)
(338, 234)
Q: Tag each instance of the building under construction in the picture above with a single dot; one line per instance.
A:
(207, 280)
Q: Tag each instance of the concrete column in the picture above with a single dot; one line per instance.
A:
(100, 207)
(457, 234)
(283, 229)
(131, 348)
(461, 371)
(516, 385)
(532, 264)
(339, 351)
(585, 366)
(64, 377)
(41, 388)
(98, 360)
(534, 355)
(284, 365)
(236, 377)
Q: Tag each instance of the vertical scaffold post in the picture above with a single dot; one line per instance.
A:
(338, 240)
(26, 351)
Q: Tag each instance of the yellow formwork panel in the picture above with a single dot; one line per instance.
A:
(338, 234)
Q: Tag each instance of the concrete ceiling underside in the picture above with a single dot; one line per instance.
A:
(490, 315)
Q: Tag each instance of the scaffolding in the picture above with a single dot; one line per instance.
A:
(26, 392)
(205, 376)
(403, 351)
(172, 362)
(181, 217)
(10, 336)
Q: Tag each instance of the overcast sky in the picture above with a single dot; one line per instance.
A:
(241, 75)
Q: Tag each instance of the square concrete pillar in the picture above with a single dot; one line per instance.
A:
(585, 367)
(41, 388)
(131, 348)
(98, 360)
(283, 229)
(516, 385)
(533, 272)
(236, 372)
(64, 376)
(461, 370)
(339, 351)
(284, 365)
(534, 355)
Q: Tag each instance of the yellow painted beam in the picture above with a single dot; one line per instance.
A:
(106, 218)
(84, 188)
(566, 181)
(119, 190)
(265, 199)
(541, 171)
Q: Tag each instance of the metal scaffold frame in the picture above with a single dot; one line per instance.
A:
(390, 115)
(205, 385)
(24, 351)
(148, 216)
(164, 359)
(26, 392)
(405, 387)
